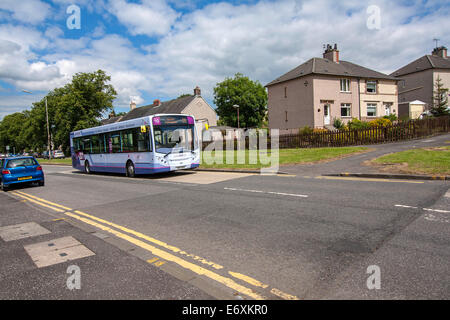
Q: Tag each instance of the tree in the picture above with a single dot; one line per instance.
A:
(440, 100)
(78, 105)
(184, 95)
(12, 129)
(250, 96)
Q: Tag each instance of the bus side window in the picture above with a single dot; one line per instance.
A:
(87, 148)
(142, 140)
(101, 142)
(128, 143)
(116, 145)
(95, 140)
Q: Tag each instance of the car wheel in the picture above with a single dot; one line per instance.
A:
(87, 168)
(41, 183)
(130, 170)
(3, 187)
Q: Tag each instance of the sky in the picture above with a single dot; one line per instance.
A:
(160, 49)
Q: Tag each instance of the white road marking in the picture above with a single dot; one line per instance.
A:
(402, 206)
(436, 210)
(269, 192)
(425, 209)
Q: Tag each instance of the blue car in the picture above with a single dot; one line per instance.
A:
(18, 170)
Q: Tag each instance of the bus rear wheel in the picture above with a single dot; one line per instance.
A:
(87, 168)
(130, 170)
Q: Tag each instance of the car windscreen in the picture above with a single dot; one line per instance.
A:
(14, 163)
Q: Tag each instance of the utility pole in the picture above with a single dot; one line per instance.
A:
(49, 148)
(237, 107)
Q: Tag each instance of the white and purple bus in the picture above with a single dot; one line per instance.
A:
(152, 144)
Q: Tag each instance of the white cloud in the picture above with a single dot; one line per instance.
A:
(150, 17)
(30, 11)
(262, 40)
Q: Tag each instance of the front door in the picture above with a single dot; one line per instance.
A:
(387, 109)
(326, 115)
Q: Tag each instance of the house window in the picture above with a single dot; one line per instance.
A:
(345, 85)
(371, 86)
(371, 109)
(345, 110)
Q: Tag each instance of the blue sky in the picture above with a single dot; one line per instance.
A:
(164, 48)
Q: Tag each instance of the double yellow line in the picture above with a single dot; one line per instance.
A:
(159, 253)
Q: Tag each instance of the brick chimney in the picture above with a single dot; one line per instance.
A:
(331, 53)
(132, 105)
(197, 91)
(440, 52)
(156, 103)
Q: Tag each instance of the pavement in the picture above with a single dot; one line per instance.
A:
(106, 272)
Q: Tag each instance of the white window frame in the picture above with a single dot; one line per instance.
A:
(345, 85)
(347, 106)
(371, 82)
(371, 105)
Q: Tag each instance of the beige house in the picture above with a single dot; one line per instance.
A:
(322, 89)
(418, 78)
(193, 105)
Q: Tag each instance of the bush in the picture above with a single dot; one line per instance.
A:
(305, 130)
(338, 123)
(380, 123)
(356, 124)
(392, 117)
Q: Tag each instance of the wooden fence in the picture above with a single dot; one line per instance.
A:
(402, 131)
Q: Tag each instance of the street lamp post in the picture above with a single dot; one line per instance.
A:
(49, 148)
(237, 107)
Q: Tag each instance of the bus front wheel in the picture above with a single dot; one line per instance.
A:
(130, 169)
(87, 168)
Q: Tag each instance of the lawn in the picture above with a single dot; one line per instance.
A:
(421, 161)
(56, 161)
(286, 156)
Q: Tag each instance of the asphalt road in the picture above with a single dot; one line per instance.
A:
(256, 237)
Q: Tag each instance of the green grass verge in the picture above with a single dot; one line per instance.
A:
(286, 156)
(55, 161)
(427, 160)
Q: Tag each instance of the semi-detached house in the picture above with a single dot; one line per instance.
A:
(322, 89)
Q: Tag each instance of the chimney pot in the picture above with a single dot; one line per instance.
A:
(132, 105)
(440, 52)
(197, 91)
(156, 102)
(331, 53)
